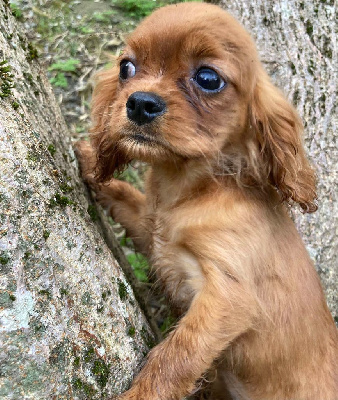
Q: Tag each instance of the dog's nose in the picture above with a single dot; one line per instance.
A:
(143, 107)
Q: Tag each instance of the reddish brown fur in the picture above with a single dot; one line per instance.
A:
(255, 321)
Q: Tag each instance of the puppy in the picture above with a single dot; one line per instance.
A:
(190, 97)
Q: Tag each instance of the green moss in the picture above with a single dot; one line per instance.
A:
(63, 292)
(5, 299)
(26, 255)
(89, 354)
(106, 294)
(12, 297)
(309, 28)
(46, 234)
(32, 157)
(296, 97)
(92, 211)
(327, 46)
(131, 331)
(66, 176)
(123, 293)
(266, 22)
(293, 68)
(4, 258)
(51, 148)
(59, 200)
(6, 79)
(101, 372)
(100, 308)
(98, 250)
(311, 67)
(29, 77)
(79, 385)
(32, 52)
(15, 105)
(322, 100)
(65, 188)
(47, 293)
(76, 362)
(28, 193)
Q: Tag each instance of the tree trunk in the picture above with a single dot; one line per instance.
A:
(70, 326)
(297, 43)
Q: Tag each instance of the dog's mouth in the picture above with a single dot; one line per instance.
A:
(142, 139)
(145, 145)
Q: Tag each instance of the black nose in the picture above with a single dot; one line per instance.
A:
(143, 107)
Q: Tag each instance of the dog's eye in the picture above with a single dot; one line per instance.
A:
(209, 80)
(127, 69)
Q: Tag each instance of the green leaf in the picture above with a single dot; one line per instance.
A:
(59, 80)
(139, 265)
(65, 66)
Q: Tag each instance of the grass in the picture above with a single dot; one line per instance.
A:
(69, 65)
(140, 266)
(136, 8)
(140, 8)
(16, 11)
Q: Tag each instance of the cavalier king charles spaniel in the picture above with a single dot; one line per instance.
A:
(190, 97)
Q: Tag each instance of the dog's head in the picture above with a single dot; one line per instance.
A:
(189, 85)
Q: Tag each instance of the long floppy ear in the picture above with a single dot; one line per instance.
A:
(108, 158)
(279, 132)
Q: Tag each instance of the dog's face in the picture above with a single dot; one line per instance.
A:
(189, 86)
(181, 85)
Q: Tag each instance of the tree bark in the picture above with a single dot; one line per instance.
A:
(297, 43)
(70, 325)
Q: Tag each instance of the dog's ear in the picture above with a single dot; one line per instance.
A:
(278, 129)
(108, 158)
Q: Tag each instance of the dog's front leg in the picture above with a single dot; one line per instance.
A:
(124, 203)
(127, 206)
(220, 312)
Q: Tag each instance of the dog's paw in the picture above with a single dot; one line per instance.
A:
(86, 157)
(105, 197)
(111, 195)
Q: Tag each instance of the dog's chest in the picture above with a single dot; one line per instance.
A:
(177, 271)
